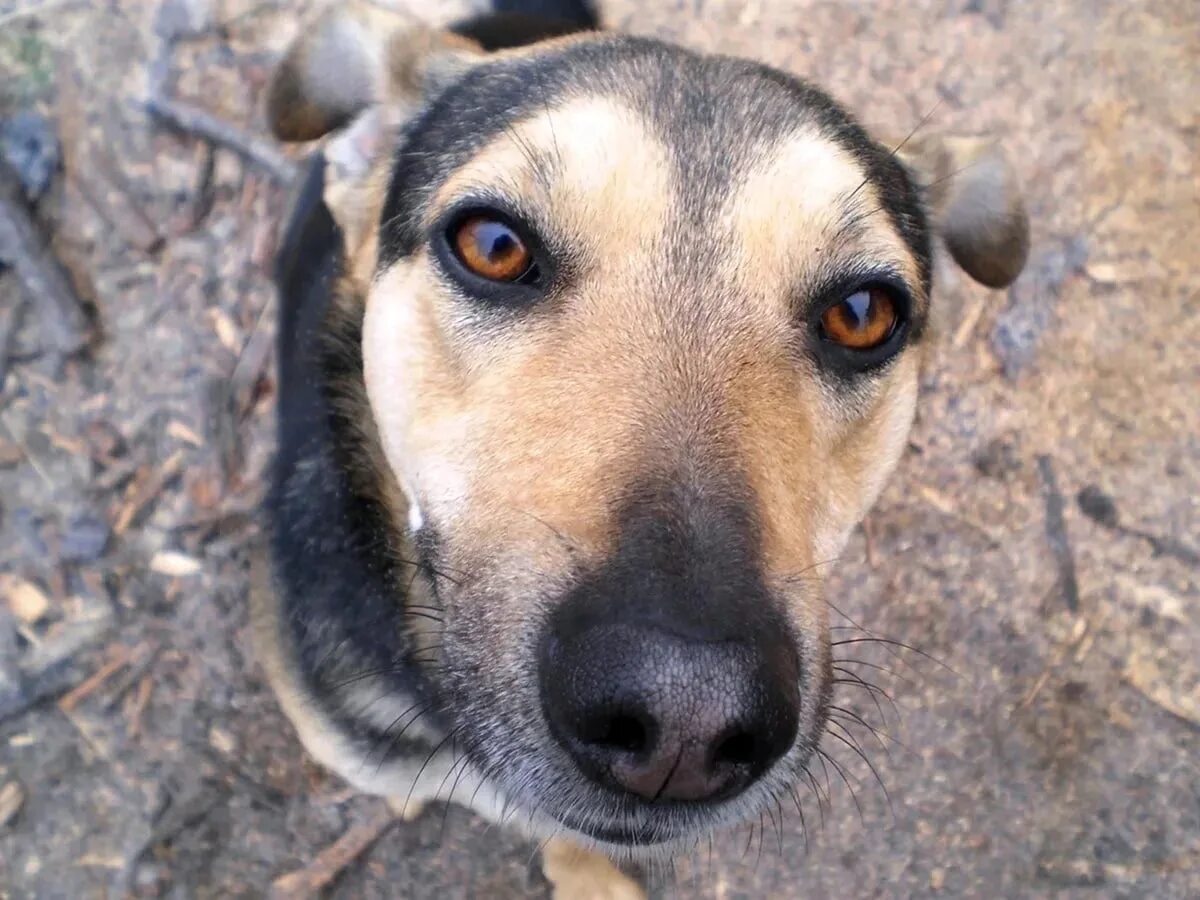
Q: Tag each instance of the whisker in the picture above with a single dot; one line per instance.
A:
(778, 825)
(880, 736)
(854, 746)
(892, 153)
(428, 759)
(398, 737)
(800, 812)
(854, 679)
(812, 783)
(842, 772)
(870, 665)
(874, 639)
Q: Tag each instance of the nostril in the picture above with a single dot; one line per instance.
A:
(620, 731)
(739, 748)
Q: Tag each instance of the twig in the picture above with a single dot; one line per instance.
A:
(199, 123)
(868, 531)
(330, 862)
(10, 321)
(1056, 533)
(145, 489)
(119, 659)
(23, 247)
(252, 361)
(138, 707)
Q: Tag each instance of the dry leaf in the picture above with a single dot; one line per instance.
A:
(227, 332)
(181, 432)
(12, 796)
(176, 565)
(26, 600)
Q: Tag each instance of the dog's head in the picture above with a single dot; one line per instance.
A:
(640, 335)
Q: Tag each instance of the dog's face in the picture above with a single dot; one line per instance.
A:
(641, 333)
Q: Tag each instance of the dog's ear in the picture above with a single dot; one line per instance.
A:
(354, 56)
(976, 204)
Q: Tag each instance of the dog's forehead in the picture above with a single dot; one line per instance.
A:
(706, 129)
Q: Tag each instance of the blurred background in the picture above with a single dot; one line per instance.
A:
(1041, 541)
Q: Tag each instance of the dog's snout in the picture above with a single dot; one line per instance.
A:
(649, 712)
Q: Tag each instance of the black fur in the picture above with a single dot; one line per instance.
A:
(331, 542)
(712, 112)
(342, 578)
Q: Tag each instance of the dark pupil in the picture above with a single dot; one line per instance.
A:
(857, 309)
(496, 241)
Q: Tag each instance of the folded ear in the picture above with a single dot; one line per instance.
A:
(355, 55)
(976, 203)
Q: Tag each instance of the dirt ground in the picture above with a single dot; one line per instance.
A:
(1042, 539)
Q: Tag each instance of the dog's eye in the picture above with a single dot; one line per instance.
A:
(491, 249)
(863, 320)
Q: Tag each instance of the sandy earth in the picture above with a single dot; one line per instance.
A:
(1042, 539)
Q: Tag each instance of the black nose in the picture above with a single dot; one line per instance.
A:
(646, 711)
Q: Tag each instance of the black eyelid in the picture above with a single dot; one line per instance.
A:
(835, 290)
(515, 294)
(497, 208)
(845, 363)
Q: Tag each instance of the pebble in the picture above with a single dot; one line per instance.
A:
(30, 146)
(1098, 506)
(85, 539)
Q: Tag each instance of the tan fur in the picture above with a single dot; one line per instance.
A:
(471, 406)
(519, 441)
(577, 874)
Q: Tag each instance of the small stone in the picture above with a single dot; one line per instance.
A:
(10, 454)
(26, 600)
(222, 741)
(937, 879)
(1098, 506)
(85, 540)
(12, 797)
(30, 146)
(183, 18)
(998, 458)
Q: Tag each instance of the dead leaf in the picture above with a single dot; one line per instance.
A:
(176, 565)
(227, 332)
(26, 600)
(1146, 676)
(12, 796)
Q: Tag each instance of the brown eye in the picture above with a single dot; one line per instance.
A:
(491, 249)
(862, 321)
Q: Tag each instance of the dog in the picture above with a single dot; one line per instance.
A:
(596, 355)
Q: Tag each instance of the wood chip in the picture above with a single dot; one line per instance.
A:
(12, 797)
(181, 432)
(11, 454)
(329, 863)
(176, 565)
(26, 600)
(137, 709)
